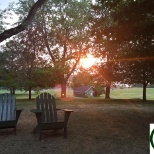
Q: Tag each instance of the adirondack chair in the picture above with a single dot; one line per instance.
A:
(46, 114)
(9, 115)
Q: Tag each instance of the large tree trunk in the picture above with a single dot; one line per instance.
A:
(107, 93)
(12, 90)
(63, 90)
(145, 83)
(30, 93)
(144, 92)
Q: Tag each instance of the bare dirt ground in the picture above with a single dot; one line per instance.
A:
(95, 128)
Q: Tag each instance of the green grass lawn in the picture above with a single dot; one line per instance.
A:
(126, 93)
(131, 93)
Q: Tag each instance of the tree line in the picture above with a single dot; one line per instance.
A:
(49, 47)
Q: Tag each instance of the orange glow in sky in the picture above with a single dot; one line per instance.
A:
(88, 61)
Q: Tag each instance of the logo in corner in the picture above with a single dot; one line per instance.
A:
(151, 138)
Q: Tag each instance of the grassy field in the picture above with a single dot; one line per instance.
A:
(131, 93)
(127, 93)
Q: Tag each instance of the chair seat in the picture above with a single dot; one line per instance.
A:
(8, 114)
(54, 125)
(7, 124)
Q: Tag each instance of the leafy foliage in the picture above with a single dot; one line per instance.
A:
(124, 29)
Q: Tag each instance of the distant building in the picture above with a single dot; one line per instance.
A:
(83, 91)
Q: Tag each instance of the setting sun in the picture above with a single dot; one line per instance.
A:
(88, 61)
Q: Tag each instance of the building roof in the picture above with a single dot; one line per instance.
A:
(82, 89)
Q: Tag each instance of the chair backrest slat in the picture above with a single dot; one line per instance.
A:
(42, 106)
(4, 112)
(46, 103)
(7, 107)
(9, 103)
(50, 108)
(12, 108)
(38, 103)
(1, 107)
(54, 108)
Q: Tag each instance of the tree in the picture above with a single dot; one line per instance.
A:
(21, 27)
(130, 40)
(70, 35)
(63, 31)
(24, 67)
(104, 40)
(86, 79)
(136, 19)
(89, 79)
(8, 74)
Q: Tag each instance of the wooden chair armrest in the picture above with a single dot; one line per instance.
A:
(67, 114)
(18, 112)
(67, 110)
(38, 114)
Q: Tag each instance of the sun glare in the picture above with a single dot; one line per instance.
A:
(88, 61)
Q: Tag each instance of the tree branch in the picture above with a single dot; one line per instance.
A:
(13, 31)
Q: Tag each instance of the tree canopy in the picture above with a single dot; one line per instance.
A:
(119, 32)
(123, 30)
(13, 31)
